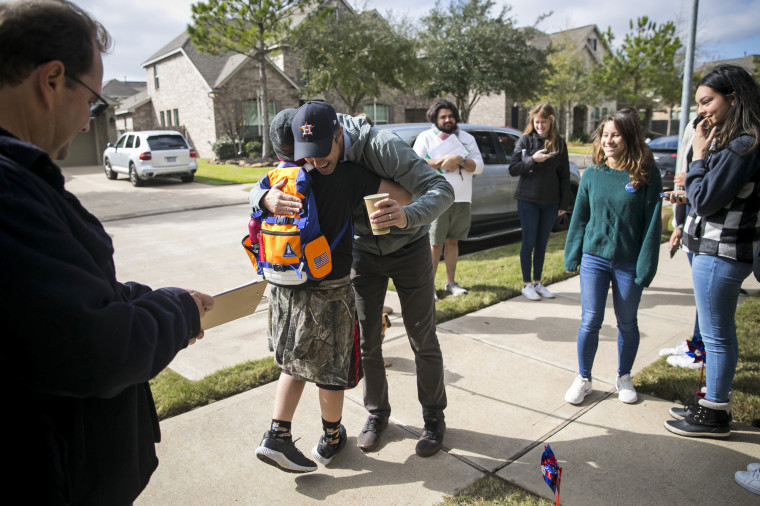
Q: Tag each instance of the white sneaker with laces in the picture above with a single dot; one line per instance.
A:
(684, 361)
(678, 350)
(578, 391)
(543, 291)
(624, 386)
(753, 466)
(749, 480)
(529, 292)
(454, 289)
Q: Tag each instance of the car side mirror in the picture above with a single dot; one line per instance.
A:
(109, 145)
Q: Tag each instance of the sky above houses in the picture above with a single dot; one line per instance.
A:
(725, 29)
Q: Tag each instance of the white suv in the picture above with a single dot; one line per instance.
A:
(150, 154)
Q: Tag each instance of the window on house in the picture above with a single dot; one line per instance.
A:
(604, 111)
(252, 112)
(378, 113)
(176, 117)
(169, 117)
(592, 43)
(155, 75)
(163, 122)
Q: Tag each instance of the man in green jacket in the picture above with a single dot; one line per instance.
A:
(402, 255)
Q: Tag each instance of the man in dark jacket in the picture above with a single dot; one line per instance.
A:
(79, 424)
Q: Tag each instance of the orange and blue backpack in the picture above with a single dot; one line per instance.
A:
(290, 249)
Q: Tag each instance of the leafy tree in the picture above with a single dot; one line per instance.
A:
(469, 53)
(249, 27)
(566, 82)
(353, 56)
(640, 73)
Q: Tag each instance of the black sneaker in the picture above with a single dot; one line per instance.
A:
(369, 437)
(709, 419)
(432, 437)
(284, 455)
(324, 451)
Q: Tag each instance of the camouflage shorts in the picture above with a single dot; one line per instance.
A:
(312, 332)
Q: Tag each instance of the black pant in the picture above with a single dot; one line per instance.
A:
(411, 270)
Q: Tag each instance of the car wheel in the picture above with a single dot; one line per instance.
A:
(110, 174)
(188, 179)
(563, 222)
(135, 179)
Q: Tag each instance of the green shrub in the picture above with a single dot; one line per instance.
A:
(253, 149)
(224, 149)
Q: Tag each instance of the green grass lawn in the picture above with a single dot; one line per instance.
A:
(227, 174)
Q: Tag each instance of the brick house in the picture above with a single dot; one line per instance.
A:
(501, 110)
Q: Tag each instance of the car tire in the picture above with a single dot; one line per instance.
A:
(188, 179)
(134, 178)
(562, 222)
(110, 174)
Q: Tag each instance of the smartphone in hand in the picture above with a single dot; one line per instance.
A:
(678, 198)
(553, 153)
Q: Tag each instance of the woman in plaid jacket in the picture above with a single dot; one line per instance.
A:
(721, 231)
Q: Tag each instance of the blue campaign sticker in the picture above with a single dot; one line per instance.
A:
(630, 188)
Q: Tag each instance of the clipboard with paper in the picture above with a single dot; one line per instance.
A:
(233, 304)
(451, 145)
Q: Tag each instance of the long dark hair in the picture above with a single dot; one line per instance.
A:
(435, 107)
(545, 111)
(734, 82)
(637, 159)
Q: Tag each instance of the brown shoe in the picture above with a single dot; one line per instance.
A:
(387, 310)
(432, 437)
(369, 437)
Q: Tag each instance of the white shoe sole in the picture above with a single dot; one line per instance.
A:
(576, 402)
(277, 459)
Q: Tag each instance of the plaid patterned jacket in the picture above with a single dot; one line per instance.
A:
(724, 193)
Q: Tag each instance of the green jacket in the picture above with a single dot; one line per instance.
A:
(385, 154)
(611, 223)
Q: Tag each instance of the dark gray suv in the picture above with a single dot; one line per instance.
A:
(494, 208)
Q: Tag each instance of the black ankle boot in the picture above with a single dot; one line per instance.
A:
(709, 419)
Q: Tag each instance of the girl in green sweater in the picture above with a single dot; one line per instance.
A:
(614, 237)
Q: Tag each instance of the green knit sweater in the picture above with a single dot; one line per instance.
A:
(611, 223)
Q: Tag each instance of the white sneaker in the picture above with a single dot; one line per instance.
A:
(749, 480)
(529, 292)
(678, 350)
(753, 466)
(624, 386)
(683, 361)
(454, 289)
(578, 391)
(543, 291)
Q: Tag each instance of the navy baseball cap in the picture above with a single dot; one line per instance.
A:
(313, 127)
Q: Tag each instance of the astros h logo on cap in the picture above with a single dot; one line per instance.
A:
(313, 127)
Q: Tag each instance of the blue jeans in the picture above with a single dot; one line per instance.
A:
(716, 289)
(697, 335)
(596, 276)
(536, 221)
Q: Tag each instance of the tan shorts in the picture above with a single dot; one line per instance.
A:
(454, 223)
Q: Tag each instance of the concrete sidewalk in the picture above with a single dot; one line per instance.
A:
(506, 368)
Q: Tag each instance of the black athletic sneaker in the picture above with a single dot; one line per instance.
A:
(324, 451)
(432, 437)
(284, 455)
